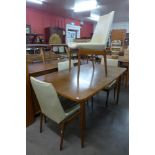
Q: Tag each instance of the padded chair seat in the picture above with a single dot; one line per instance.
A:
(89, 45)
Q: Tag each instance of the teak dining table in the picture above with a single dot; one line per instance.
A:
(81, 85)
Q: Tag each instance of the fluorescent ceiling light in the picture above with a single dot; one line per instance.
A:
(85, 6)
(36, 1)
(94, 17)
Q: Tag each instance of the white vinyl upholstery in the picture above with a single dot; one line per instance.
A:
(110, 62)
(49, 102)
(64, 65)
(100, 36)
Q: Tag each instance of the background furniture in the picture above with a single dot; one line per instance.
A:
(33, 38)
(55, 35)
(28, 29)
(116, 47)
(117, 41)
(51, 107)
(118, 34)
(126, 41)
(49, 31)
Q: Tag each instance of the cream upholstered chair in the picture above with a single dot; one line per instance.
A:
(98, 43)
(110, 62)
(51, 107)
(64, 65)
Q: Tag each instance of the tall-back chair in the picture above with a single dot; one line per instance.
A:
(110, 62)
(64, 65)
(51, 107)
(98, 43)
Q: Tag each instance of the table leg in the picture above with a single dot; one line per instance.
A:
(105, 63)
(69, 54)
(118, 89)
(82, 123)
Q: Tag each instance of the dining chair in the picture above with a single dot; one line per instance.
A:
(64, 65)
(98, 43)
(51, 106)
(110, 62)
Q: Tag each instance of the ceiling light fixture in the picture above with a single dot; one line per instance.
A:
(36, 1)
(85, 6)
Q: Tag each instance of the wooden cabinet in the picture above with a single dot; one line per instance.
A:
(34, 38)
(118, 34)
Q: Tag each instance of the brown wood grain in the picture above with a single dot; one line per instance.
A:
(80, 86)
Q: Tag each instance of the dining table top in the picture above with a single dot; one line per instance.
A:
(80, 86)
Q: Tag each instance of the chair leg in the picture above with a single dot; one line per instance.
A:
(87, 103)
(107, 99)
(87, 58)
(45, 119)
(41, 122)
(62, 128)
(114, 92)
(92, 103)
(127, 79)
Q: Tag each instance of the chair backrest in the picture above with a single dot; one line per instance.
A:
(48, 100)
(102, 29)
(110, 62)
(64, 65)
(126, 51)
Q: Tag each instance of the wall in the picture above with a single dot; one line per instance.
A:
(39, 20)
(121, 25)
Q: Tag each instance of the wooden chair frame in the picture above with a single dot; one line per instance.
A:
(62, 126)
(89, 52)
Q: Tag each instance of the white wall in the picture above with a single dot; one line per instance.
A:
(121, 25)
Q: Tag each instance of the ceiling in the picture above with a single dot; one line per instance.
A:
(63, 8)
